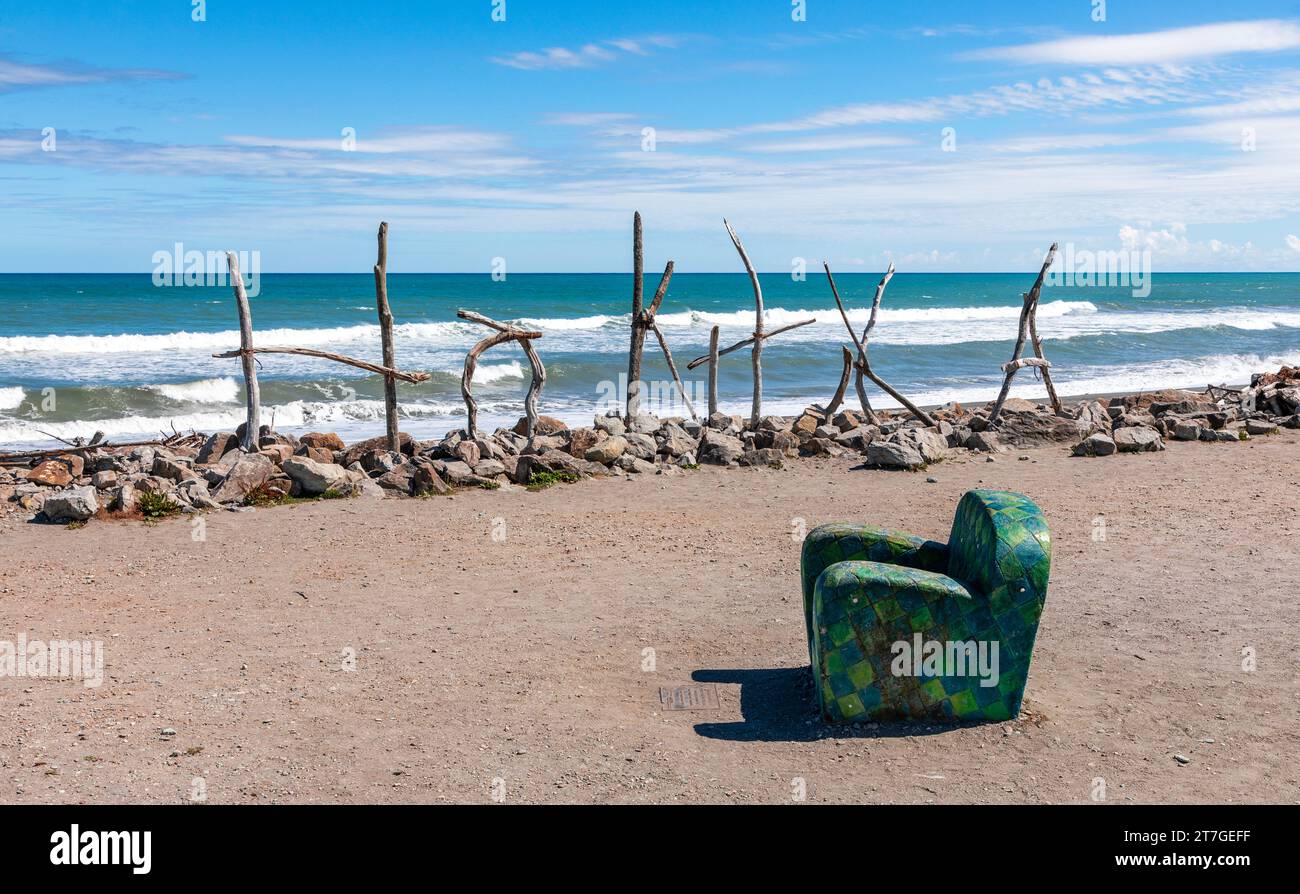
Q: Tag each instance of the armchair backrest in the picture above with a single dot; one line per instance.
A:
(1000, 547)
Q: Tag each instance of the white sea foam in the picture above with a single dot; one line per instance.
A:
(1058, 319)
(204, 391)
(134, 343)
(563, 324)
(511, 370)
(11, 398)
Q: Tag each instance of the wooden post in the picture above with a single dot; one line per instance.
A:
(638, 331)
(253, 422)
(756, 356)
(386, 336)
(1027, 311)
(713, 371)
(864, 365)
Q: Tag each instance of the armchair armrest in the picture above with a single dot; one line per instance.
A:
(843, 542)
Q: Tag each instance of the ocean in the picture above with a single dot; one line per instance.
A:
(81, 353)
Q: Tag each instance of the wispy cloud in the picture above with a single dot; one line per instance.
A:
(587, 55)
(831, 144)
(16, 75)
(1153, 47)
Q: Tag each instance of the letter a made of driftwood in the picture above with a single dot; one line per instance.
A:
(864, 365)
(643, 321)
(1029, 332)
(504, 333)
(756, 339)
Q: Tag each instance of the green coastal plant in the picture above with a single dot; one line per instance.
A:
(543, 480)
(154, 506)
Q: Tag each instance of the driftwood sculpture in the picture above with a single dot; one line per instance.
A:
(643, 320)
(756, 339)
(504, 333)
(864, 365)
(1029, 331)
(247, 351)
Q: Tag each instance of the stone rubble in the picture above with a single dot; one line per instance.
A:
(215, 474)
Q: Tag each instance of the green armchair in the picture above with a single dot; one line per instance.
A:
(900, 627)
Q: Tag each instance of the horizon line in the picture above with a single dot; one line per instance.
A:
(646, 275)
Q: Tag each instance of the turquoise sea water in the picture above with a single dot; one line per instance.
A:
(114, 352)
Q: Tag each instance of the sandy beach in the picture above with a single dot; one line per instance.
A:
(514, 667)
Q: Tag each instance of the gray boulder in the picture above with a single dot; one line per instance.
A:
(1095, 445)
(316, 478)
(216, 446)
(74, 503)
(607, 450)
(641, 446)
(894, 455)
(610, 425)
(1138, 439)
(644, 423)
(719, 449)
(249, 471)
(766, 456)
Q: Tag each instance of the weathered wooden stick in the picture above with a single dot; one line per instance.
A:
(509, 328)
(471, 361)
(672, 368)
(844, 384)
(412, 377)
(638, 332)
(756, 355)
(1030, 299)
(713, 371)
(386, 336)
(660, 292)
(1038, 351)
(534, 386)
(1014, 365)
(863, 364)
(746, 342)
(253, 423)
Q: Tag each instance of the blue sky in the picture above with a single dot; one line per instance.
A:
(1173, 127)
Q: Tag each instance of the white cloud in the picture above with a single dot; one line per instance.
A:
(1293, 242)
(830, 144)
(1154, 47)
(588, 55)
(18, 75)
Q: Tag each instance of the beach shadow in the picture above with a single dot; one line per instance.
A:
(778, 705)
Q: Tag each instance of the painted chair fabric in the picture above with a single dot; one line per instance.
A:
(867, 589)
